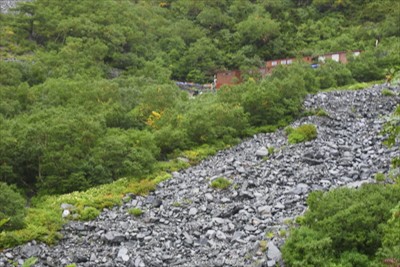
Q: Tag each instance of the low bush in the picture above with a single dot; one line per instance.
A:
(347, 227)
(322, 113)
(271, 150)
(135, 212)
(30, 262)
(12, 208)
(305, 132)
(221, 183)
(89, 213)
(380, 177)
(386, 92)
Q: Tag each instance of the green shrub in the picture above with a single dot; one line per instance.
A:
(89, 213)
(357, 86)
(315, 112)
(289, 130)
(322, 113)
(305, 132)
(263, 245)
(135, 212)
(30, 262)
(221, 183)
(347, 227)
(12, 208)
(380, 177)
(387, 92)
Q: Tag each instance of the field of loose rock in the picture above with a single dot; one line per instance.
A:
(186, 222)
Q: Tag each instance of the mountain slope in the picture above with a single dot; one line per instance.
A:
(186, 222)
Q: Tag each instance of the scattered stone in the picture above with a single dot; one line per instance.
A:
(192, 211)
(114, 237)
(123, 254)
(65, 213)
(262, 152)
(273, 252)
(30, 251)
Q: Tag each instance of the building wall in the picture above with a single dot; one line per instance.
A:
(234, 77)
(228, 78)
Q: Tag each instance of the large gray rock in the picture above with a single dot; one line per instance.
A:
(273, 252)
(262, 152)
(114, 237)
(123, 254)
(31, 251)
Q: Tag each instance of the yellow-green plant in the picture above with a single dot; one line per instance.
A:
(221, 183)
(136, 212)
(305, 132)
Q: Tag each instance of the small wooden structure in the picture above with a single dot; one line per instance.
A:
(228, 77)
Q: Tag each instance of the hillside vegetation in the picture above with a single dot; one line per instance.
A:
(87, 92)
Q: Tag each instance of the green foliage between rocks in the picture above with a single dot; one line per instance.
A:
(29, 262)
(387, 92)
(135, 212)
(220, 183)
(89, 213)
(303, 133)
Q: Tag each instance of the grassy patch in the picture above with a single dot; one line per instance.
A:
(353, 87)
(380, 177)
(271, 150)
(44, 220)
(316, 112)
(172, 165)
(260, 129)
(89, 213)
(196, 155)
(135, 212)
(386, 92)
(303, 133)
(263, 245)
(221, 183)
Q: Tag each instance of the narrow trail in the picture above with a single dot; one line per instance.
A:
(188, 223)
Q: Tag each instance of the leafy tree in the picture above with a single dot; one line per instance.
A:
(258, 29)
(10, 74)
(212, 18)
(365, 67)
(203, 57)
(331, 74)
(207, 121)
(125, 153)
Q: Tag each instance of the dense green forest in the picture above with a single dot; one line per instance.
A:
(87, 91)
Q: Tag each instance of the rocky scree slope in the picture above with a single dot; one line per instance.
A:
(188, 223)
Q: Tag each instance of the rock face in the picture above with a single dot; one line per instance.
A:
(188, 223)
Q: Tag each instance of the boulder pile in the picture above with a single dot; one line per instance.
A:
(187, 222)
